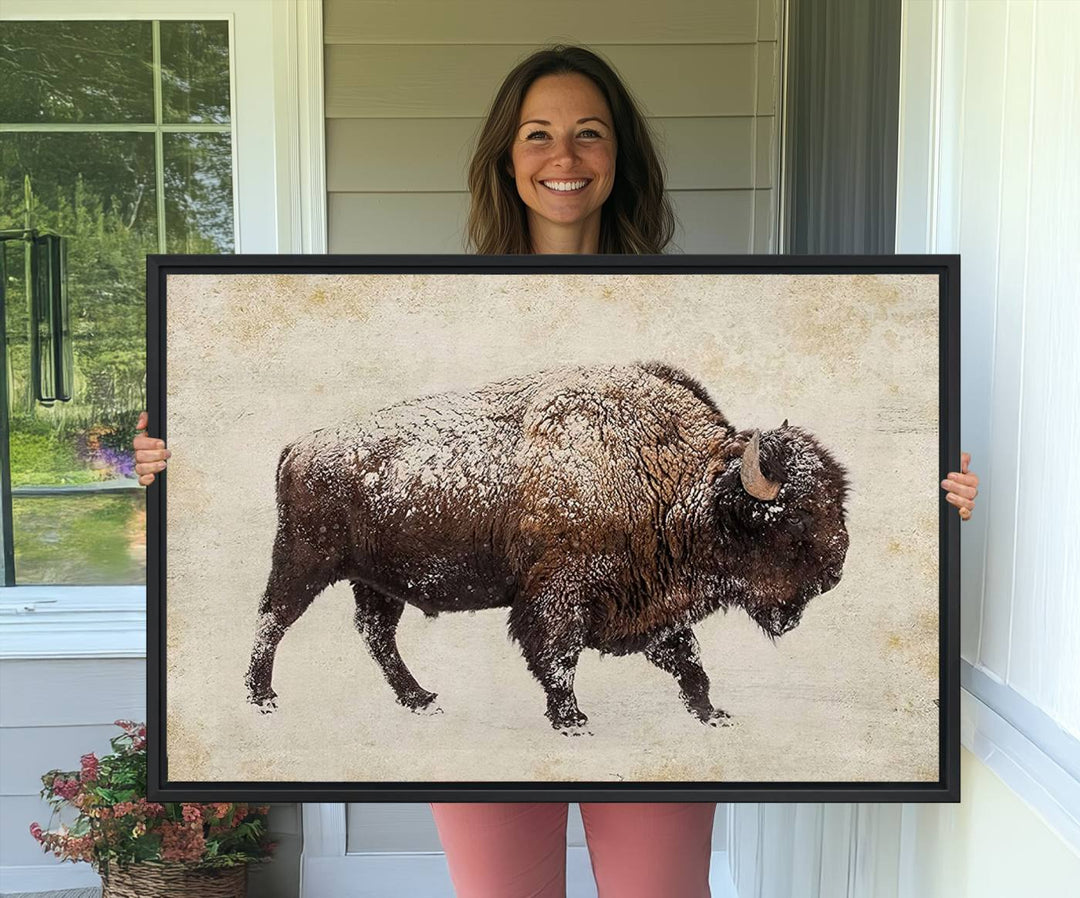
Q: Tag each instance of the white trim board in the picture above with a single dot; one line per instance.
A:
(301, 120)
(72, 622)
(1059, 745)
(1048, 788)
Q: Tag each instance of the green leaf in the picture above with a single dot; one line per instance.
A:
(147, 849)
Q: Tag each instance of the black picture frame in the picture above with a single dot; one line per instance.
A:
(945, 789)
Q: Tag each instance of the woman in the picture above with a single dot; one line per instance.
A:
(565, 164)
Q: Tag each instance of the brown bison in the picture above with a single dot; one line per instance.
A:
(609, 508)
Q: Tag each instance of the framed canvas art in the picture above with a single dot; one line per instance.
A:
(587, 528)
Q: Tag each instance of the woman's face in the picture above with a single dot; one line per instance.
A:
(565, 136)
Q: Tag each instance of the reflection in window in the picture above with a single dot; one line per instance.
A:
(60, 72)
(198, 193)
(83, 539)
(195, 71)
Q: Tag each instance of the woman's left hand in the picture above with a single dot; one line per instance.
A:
(962, 487)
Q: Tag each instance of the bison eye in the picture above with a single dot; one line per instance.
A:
(799, 522)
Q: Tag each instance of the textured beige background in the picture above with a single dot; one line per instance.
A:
(256, 360)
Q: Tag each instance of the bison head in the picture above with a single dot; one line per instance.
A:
(780, 502)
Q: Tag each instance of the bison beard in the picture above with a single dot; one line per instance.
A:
(609, 508)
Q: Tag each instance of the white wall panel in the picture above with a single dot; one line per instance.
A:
(1044, 658)
(975, 165)
(391, 826)
(65, 693)
(1004, 168)
(1002, 469)
(28, 752)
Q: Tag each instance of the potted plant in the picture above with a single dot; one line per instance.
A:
(142, 848)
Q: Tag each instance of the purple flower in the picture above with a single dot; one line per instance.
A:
(121, 462)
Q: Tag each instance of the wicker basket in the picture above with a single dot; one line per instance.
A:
(173, 880)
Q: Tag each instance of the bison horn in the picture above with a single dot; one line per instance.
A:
(754, 482)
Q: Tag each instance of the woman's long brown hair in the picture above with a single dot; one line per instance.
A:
(636, 218)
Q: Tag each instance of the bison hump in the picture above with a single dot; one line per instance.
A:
(617, 445)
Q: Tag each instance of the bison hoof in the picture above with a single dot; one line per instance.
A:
(421, 702)
(570, 724)
(427, 710)
(575, 730)
(714, 717)
(266, 702)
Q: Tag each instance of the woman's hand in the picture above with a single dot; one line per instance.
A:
(150, 454)
(962, 487)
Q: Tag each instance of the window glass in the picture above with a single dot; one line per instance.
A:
(78, 512)
(82, 539)
(59, 72)
(195, 71)
(98, 190)
(198, 193)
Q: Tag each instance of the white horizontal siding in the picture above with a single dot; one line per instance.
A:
(390, 155)
(518, 22)
(52, 713)
(439, 81)
(60, 693)
(408, 83)
(27, 752)
(709, 221)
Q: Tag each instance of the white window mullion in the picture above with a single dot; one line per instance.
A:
(159, 138)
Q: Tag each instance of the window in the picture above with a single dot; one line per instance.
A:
(116, 135)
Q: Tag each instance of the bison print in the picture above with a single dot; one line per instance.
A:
(609, 508)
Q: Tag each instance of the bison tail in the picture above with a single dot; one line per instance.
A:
(282, 478)
(281, 462)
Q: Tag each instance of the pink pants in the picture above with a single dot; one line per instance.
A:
(648, 850)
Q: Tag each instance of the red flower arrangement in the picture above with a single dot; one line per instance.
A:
(116, 824)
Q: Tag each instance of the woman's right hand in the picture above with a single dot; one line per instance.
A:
(150, 454)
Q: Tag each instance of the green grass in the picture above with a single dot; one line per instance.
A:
(41, 459)
(84, 540)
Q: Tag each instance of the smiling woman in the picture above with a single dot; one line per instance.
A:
(560, 118)
(564, 165)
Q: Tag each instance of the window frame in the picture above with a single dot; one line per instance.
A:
(276, 60)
